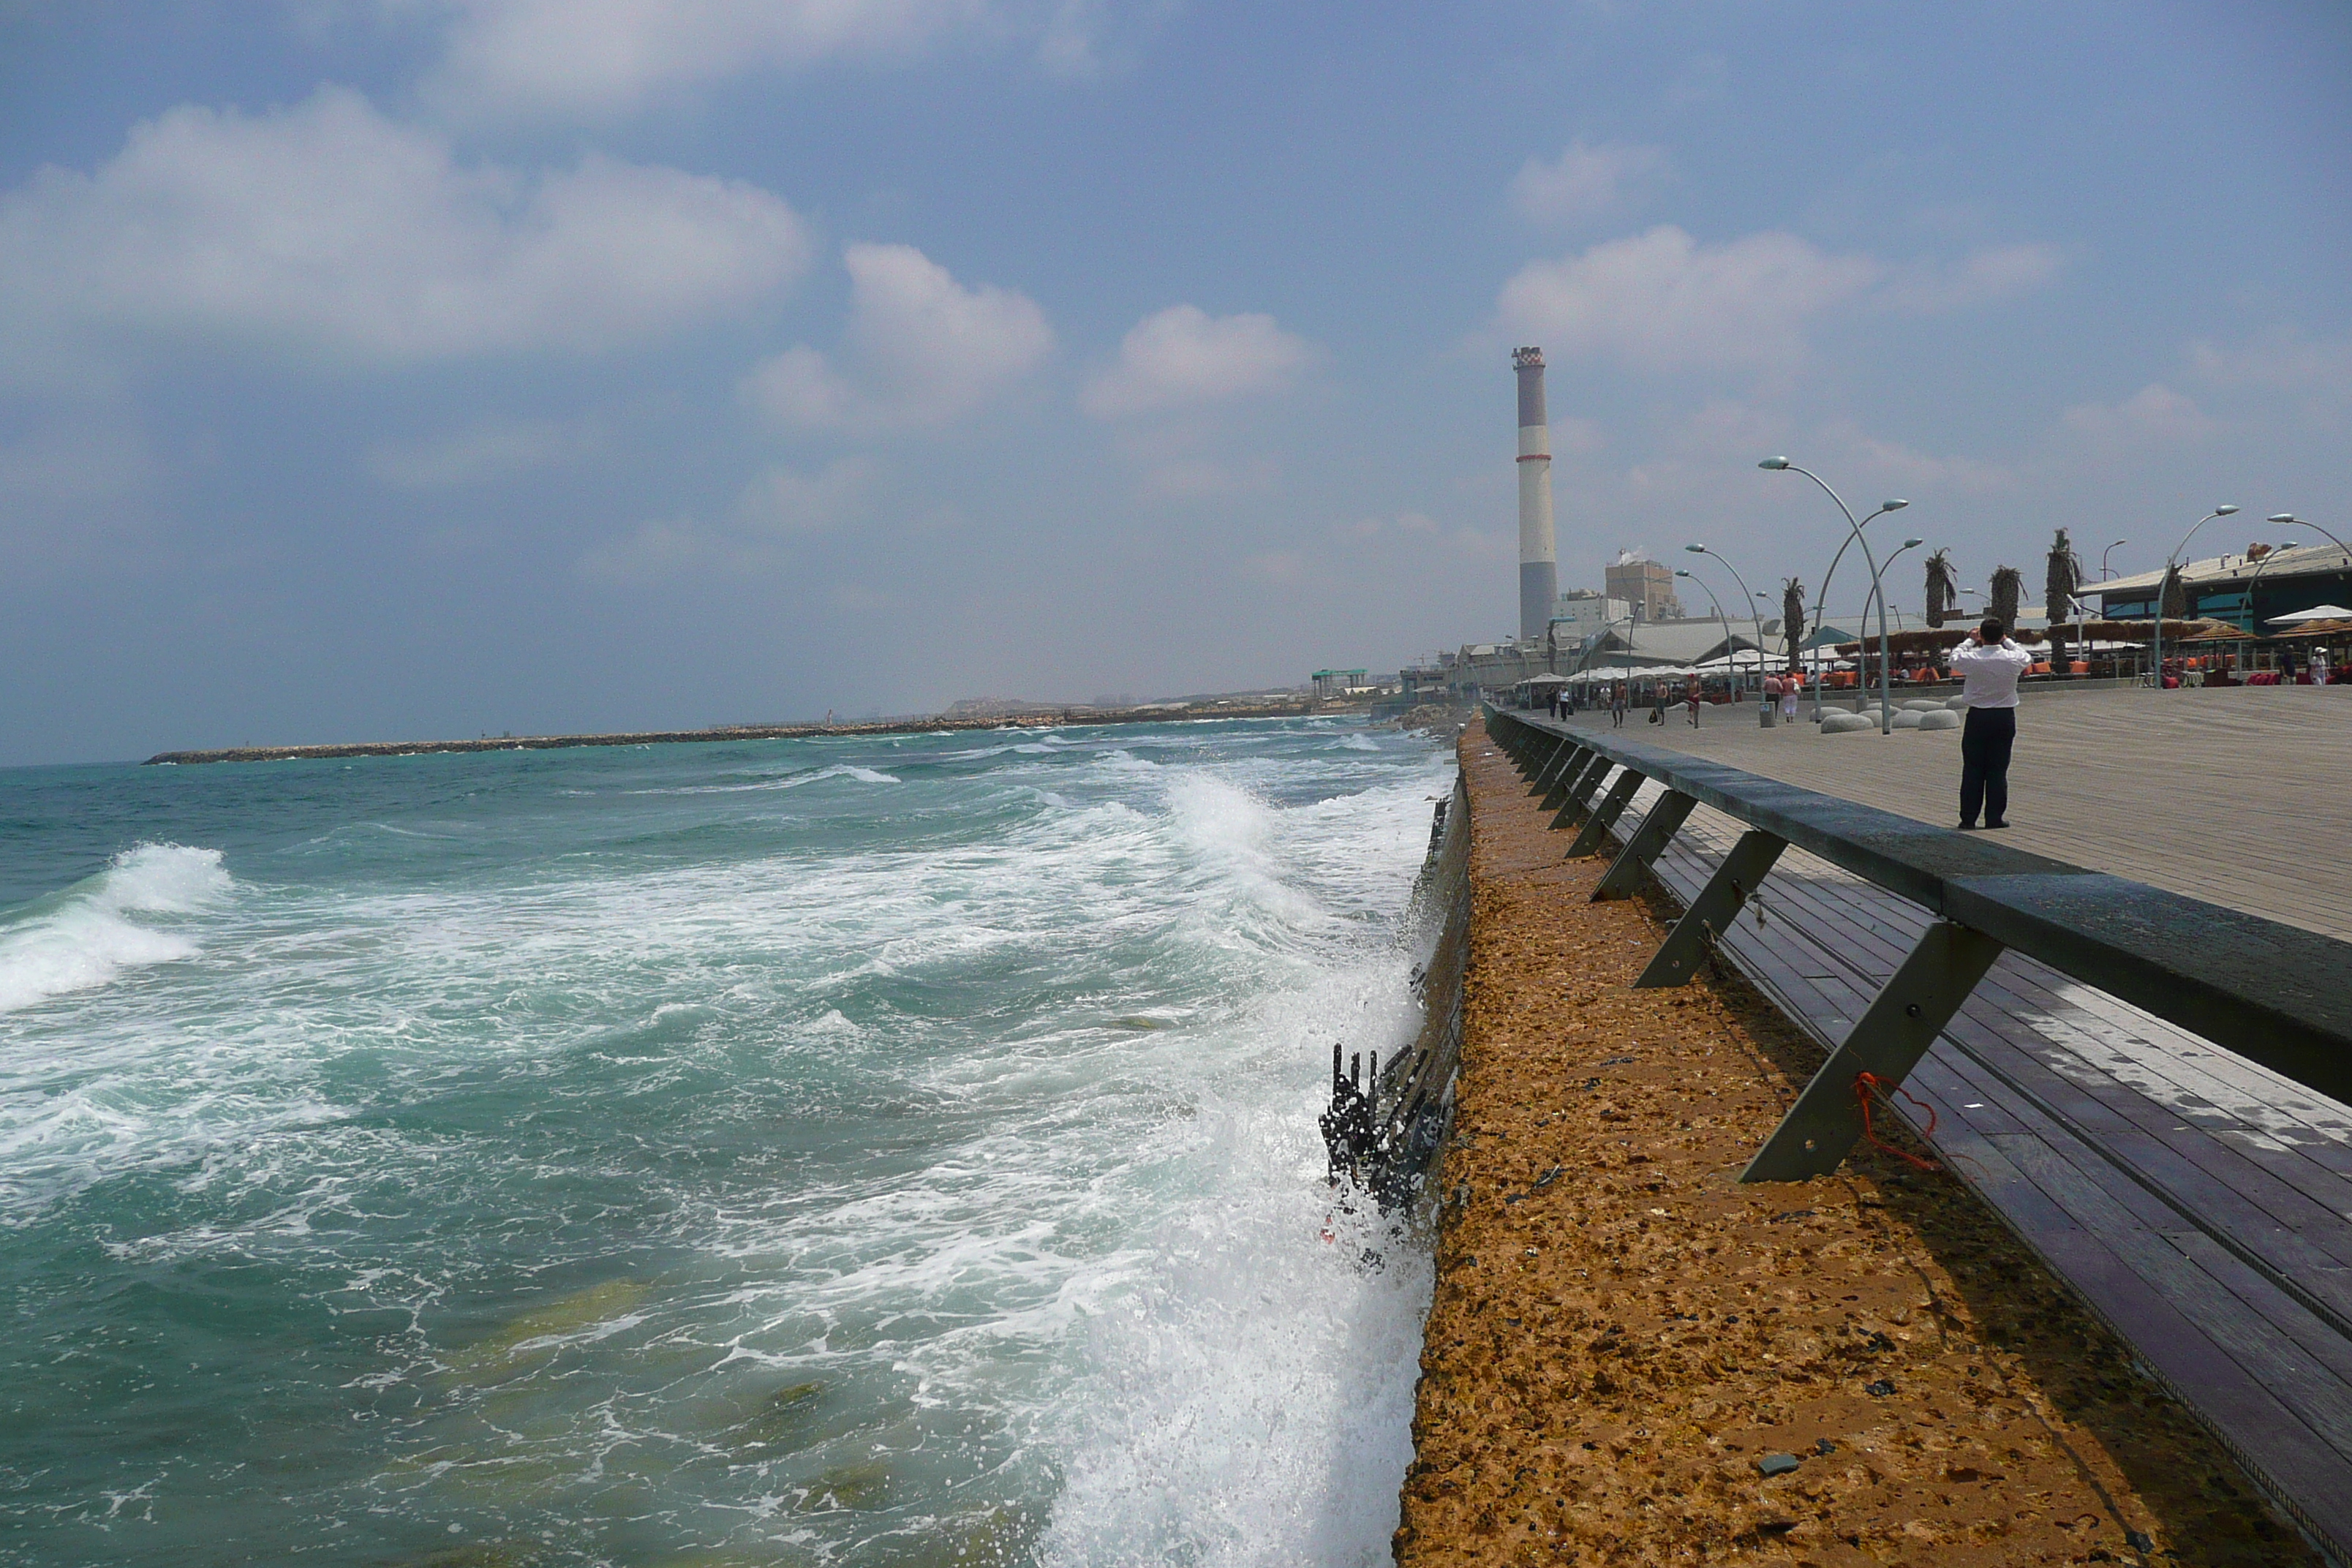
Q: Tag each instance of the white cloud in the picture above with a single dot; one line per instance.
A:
(1182, 356)
(1583, 182)
(785, 500)
(1981, 276)
(2281, 359)
(1662, 301)
(492, 449)
(327, 230)
(2154, 413)
(524, 58)
(920, 348)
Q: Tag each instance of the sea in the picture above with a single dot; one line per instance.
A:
(889, 1150)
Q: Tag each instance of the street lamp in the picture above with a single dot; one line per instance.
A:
(2110, 550)
(1720, 617)
(2171, 562)
(1885, 658)
(1854, 536)
(1756, 620)
(2288, 520)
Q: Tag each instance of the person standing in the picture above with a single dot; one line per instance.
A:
(1987, 664)
(1617, 706)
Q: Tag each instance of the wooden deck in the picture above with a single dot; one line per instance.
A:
(2199, 1202)
(2240, 795)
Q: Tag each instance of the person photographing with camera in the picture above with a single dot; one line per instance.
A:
(1987, 664)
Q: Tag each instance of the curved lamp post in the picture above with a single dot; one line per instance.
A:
(2262, 566)
(1754, 618)
(2110, 550)
(1885, 660)
(2288, 520)
(2171, 562)
(1854, 536)
(1730, 657)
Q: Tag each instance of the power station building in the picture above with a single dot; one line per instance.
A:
(1645, 585)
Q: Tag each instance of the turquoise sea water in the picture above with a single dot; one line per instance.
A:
(898, 1150)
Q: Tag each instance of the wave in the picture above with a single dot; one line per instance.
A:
(84, 936)
(790, 781)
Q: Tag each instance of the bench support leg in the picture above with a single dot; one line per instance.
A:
(1553, 759)
(1580, 785)
(1712, 912)
(1895, 1032)
(1605, 815)
(1567, 775)
(1649, 840)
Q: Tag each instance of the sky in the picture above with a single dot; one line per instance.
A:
(383, 369)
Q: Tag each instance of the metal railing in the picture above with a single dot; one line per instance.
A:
(2276, 994)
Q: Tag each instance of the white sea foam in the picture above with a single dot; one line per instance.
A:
(86, 935)
(1086, 1274)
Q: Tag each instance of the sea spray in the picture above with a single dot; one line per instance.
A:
(614, 1157)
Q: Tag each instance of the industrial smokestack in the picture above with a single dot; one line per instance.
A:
(1538, 557)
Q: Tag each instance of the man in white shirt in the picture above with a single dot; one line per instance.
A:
(1989, 664)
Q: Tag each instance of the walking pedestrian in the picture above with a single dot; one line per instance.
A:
(1690, 699)
(1617, 706)
(1987, 664)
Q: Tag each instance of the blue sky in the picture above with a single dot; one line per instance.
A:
(380, 368)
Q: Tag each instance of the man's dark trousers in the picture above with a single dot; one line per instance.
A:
(1985, 745)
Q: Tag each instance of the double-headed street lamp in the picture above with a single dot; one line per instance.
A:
(1822, 599)
(1885, 660)
(1755, 619)
(2171, 562)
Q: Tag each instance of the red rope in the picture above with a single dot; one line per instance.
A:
(1869, 1084)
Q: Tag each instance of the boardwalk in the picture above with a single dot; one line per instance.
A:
(2240, 797)
(2201, 1205)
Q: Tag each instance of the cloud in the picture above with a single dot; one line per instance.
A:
(1583, 182)
(1981, 276)
(2279, 359)
(2154, 413)
(921, 350)
(593, 58)
(492, 449)
(328, 231)
(1204, 479)
(1660, 302)
(1663, 302)
(1184, 357)
(785, 500)
(752, 540)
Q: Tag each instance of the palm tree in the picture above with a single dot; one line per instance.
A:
(2063, 576)
(2007, 589)
(1792, 619)
(1943, 588)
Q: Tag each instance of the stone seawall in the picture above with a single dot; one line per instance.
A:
(1049, 718)
(1632, 1358)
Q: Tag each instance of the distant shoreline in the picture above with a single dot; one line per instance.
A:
(1042, 718)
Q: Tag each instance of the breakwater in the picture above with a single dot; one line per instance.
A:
(722, 733)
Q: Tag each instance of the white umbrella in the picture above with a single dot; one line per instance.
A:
(2319, 613)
